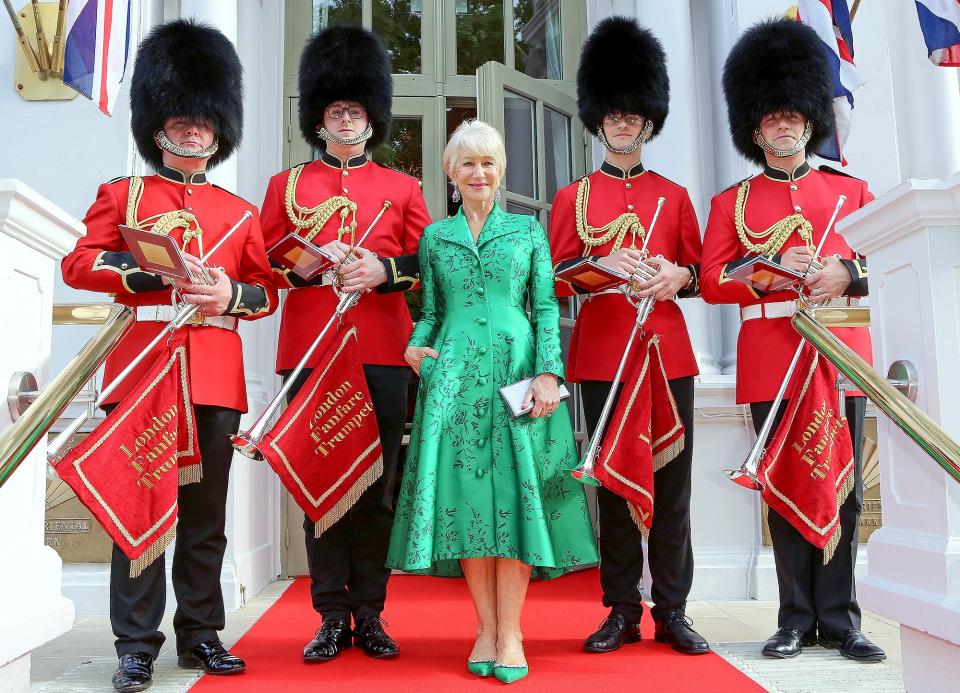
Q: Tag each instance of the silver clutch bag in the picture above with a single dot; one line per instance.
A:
(513, 395)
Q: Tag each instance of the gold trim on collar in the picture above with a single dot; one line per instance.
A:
(783, 176)
(336, 162)
(615, 171)
(175, 176)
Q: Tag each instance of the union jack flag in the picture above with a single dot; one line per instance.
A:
(831, 20)
(940, 23)
(95, 52)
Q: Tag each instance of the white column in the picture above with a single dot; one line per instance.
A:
(34, 235)
(912, 237)
(678, 152)
(926, 99)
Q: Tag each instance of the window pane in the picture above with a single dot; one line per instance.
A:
(514, 208)
(557, 156)
(458, 110)
(403, 149)
(519, 125)
(336, 13)
(536, 38)
(397, 23)
(479, 33)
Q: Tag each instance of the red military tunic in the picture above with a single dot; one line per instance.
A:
(101, 262)
(382, 318)
(605, 320)
(766, 345)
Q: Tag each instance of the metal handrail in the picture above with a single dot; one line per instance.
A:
(23, 435)
(912, 420)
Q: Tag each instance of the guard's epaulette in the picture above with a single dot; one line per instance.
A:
(660, 175)
(230, 192)
(118, 179)
(396, 170)
(734, 185)
(829, 169)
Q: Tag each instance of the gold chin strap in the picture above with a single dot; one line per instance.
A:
(772, 239)
(615, 230)
(314, 218)
(162, 223)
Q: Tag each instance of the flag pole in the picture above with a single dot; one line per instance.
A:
(22, 39)
(853, 10)
(42, 52)
(56, 62)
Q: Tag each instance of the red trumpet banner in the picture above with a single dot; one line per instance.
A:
(644, 435)
(128, 470)
(808, 468)
(325, 447)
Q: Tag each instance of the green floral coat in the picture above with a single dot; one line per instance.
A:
(476, 482)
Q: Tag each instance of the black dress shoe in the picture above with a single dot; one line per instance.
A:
(675, 628)
(612, 634)
(213, 658)
(787, 643)
(852, 644)
(332, 638)
(135, 672)
(371, 636)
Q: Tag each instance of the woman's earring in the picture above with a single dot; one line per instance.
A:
(497, 196)
(456, 194)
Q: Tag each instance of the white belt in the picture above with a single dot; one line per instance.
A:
(168, 313)
(786, 309)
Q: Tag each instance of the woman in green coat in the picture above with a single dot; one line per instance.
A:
(484, 495)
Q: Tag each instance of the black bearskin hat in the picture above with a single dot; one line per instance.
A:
(350, 64)
(777, 66)
(185, 68)
(623, 69)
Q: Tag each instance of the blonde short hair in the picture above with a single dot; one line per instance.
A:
(477, 138)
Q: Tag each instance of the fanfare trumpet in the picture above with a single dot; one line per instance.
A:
(247, 442)
(183, 316)
(746, 476)
(644, 306)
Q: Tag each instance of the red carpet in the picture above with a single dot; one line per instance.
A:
(433, 620)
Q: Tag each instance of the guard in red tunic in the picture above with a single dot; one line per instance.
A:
(623, 98)
(345, 104)
(780, 104)
(187, 115)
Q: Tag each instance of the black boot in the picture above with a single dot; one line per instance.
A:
(331, 639)
(852, 644)
(213, 658)
(374, 640)
(135, 672)
(675, 628)
(612, 634)
(787, 643)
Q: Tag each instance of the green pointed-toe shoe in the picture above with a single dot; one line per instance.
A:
(508, 673)
(480, 667)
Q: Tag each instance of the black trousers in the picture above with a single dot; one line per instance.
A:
(813, 595)
(137, 604)
(347, 571)
(621, 547)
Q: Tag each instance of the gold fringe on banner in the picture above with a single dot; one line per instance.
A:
(334, 514)
(834, 540)
(154, 552)
(191, 474)
(668, 454)
(637, 517)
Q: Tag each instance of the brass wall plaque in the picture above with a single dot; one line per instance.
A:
(71, 530)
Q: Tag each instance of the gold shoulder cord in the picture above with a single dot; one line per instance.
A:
(314, 218)
(775, 236)
(162, 223)
(616, 229)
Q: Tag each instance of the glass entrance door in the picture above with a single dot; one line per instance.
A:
(546, 150)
